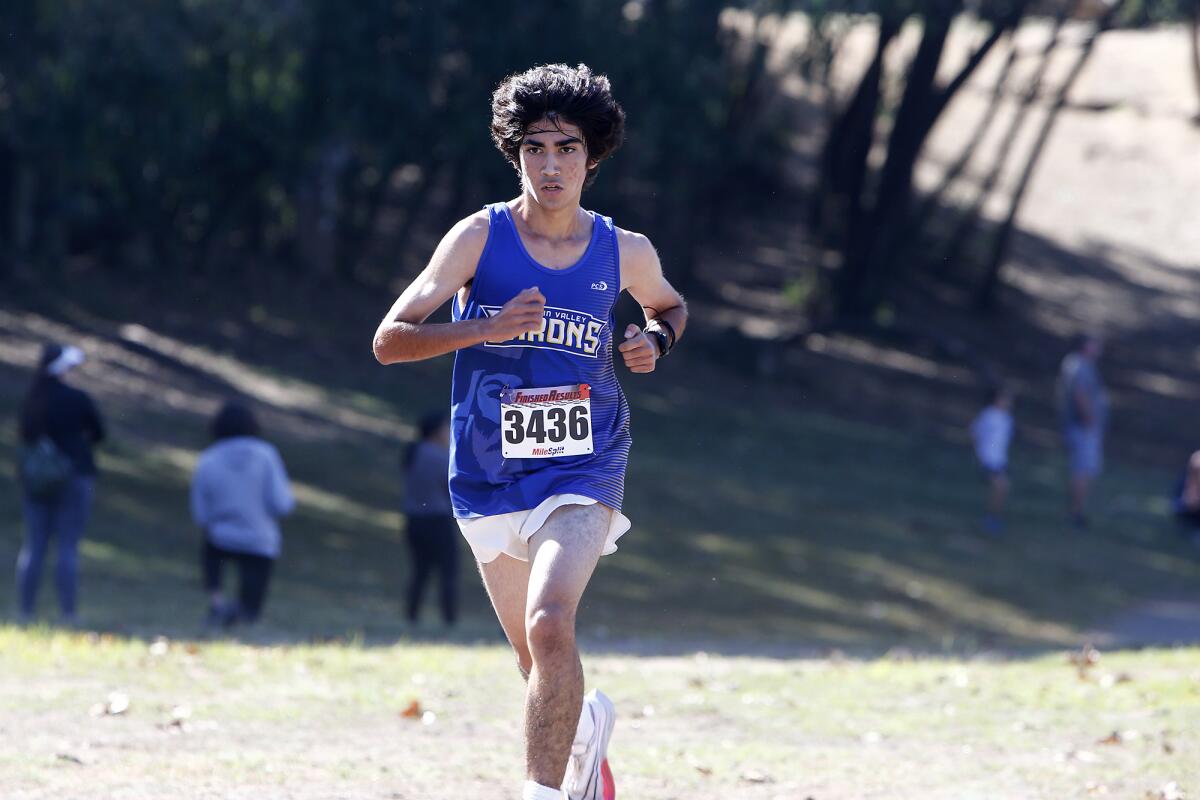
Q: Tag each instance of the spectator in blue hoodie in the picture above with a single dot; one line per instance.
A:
(240, 490)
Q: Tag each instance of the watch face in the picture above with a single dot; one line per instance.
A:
(660, 339)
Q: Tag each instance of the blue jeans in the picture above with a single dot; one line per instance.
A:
(63, 520)
(1085, 450)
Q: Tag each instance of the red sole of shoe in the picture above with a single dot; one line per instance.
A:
(610, 786)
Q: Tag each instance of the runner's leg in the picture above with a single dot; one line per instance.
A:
(507, 580)
(563, 556)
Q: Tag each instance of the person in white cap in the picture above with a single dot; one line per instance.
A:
(59, 426)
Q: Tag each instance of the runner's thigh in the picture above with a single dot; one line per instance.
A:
(563, 554)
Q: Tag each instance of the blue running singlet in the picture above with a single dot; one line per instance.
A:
(575, 346)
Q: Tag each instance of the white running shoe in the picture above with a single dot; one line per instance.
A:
(588, 776)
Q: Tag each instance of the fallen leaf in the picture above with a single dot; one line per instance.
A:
(1113, 738)
(413, 711)
(703, 769)
(754, 776)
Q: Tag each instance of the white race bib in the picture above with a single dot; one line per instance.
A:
(546, 423)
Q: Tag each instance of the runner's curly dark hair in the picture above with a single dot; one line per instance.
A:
(572, 94)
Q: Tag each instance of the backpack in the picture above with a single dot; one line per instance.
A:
(44, 469)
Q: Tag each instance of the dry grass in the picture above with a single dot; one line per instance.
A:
(226, 720)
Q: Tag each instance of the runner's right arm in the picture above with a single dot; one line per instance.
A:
(403, 335)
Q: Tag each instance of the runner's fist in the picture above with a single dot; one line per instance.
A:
(638, 350)
(522, 314)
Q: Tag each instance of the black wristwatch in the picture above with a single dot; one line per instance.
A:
(660, 339)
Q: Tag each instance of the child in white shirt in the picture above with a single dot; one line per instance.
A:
(992, 431)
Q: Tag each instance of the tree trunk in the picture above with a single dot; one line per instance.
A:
(874, 233)
(970, 218)
(838, 205)
(418, 198)
(924, 213)
(16, 211)
(875, 247)
(742, 125)
(847, 146)
(986, 296)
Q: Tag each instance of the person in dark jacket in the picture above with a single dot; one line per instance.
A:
(1186, 500)
(65, 420)
(432, 532)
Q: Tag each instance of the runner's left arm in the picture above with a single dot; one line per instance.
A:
(642, 276)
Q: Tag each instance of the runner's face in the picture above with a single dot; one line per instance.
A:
(554, 163)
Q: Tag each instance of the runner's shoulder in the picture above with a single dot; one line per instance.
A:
(471, 231)
(463, 245)
(635, 246)
(636, 250)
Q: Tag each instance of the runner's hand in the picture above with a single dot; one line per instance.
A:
(522, 314)
(639, 352)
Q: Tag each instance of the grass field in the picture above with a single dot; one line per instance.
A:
(228, 720)
(756, 520)
(806, 553)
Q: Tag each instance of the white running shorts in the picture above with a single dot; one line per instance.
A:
(509, 533)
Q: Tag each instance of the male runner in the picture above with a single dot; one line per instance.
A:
(540, 424)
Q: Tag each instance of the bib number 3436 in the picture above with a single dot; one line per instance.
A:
(546, 423)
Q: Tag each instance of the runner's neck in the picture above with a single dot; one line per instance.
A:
(560, 226)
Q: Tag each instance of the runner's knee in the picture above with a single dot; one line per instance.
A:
(524, 664)
(549, 628)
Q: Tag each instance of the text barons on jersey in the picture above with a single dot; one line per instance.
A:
(563, 329)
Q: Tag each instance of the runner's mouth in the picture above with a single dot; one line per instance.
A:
(551, 187)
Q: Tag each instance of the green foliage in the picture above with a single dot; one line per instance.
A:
(1141, 13)
(181, 132)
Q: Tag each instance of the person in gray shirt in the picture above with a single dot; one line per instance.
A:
(432, 531)
(1083, 413)
(239, 491)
